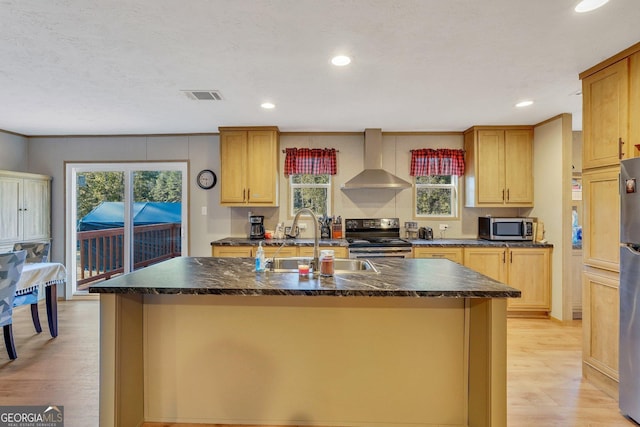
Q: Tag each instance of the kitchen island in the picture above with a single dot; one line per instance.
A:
(207, 340)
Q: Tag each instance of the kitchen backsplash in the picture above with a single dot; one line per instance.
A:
(367, 203)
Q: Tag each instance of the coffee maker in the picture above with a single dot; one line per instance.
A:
(256, 227)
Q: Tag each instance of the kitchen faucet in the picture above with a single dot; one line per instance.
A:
(315, 264)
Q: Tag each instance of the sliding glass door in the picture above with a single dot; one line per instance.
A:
(123, 216)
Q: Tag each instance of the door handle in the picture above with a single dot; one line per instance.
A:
(507, 194)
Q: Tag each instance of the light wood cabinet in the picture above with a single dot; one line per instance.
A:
(25, 211)
(249, 166)
(600, 326)
(499, 167)
(530, 272)
(453, 254)
(605, 114)
(231, 251)
(601, 215)
(491, 262)
(526, 269)
(611, 116)
(338, 251)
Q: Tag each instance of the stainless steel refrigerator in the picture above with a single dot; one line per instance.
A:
(630, 288)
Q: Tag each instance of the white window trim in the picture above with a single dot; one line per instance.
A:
(293, 187)
(454, 186)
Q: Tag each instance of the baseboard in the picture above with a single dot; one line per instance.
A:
(600, 380)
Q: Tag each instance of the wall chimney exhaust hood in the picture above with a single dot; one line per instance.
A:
(373, 177)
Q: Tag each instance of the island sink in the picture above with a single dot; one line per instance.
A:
(341, 265)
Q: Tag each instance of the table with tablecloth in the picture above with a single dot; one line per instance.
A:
(47, 274)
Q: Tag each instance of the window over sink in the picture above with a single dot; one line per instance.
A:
(310, 191)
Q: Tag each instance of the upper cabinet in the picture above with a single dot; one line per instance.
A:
(605, 96)
(249, 166)
(25, 212)
(499, 166)
(611, 111)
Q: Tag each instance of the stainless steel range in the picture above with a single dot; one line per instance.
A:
(376, 238)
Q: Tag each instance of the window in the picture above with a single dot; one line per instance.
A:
(310, 191)
(436, 173)
(436, 196)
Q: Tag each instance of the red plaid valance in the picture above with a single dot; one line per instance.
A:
(314, 161)
(442, 161)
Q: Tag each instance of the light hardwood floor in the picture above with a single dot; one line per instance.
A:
(545, 387)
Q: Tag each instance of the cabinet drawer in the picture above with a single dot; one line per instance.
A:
(453, 254)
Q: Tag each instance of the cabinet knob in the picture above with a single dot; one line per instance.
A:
(620, 144)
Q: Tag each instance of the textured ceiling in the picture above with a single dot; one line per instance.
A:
(86, 67)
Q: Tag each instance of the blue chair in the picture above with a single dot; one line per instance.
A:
(11, 264)
(36, 252)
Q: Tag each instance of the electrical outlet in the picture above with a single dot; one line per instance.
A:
(443, 227)
(302, 226)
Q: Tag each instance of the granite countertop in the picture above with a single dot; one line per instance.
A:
(243, 241)
(431, 278)
(479, 243)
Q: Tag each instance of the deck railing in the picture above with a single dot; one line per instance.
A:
(101, 252)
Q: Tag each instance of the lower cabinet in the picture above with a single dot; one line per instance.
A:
(231, 251)
(526, 269)
(600, 328)
(453, 254)
(338, 251)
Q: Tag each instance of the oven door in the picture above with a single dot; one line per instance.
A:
(380, 252)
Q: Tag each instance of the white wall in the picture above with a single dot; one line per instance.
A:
(14, 150)
(552, 195)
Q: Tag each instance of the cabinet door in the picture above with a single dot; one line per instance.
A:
(634, 106)
(338, 251)
(36, 211)
(453, 254)
(601, 213)
(600, 322)
(262, 167)
(529, 271)
(232, 251)
(233, 160)
(490, 176)
(488, 261)
(284, 252)
(518, 167)
(605, 116)
(10, 213)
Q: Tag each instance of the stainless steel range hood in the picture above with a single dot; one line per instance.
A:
(373, 177)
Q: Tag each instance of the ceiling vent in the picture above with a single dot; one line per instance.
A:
(203, 95)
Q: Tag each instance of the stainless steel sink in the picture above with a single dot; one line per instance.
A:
(341, 265)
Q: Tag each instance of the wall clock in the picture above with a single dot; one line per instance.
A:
(206, 179)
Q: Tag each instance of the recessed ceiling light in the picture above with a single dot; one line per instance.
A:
(589, 5)
(340, 60)
(524, 103)
(268, 105)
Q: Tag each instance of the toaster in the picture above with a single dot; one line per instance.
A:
(425, 233)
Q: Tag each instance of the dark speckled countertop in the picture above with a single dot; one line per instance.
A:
(479, 243)
(240, 241)
(243, 241)
(432, 278)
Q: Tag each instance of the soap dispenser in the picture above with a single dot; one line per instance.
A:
(260, 260)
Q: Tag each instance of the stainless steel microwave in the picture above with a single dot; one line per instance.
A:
(495, 228)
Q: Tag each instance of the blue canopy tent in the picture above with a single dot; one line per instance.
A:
(107, 253)
(111, 215)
